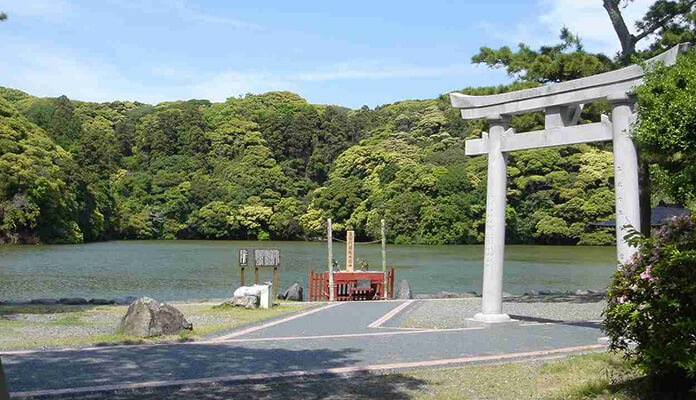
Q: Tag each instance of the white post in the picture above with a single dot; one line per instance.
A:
(384, 261)
(329, 239)
(495, 225)
(626, 186)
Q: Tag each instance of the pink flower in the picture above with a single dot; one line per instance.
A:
(646, 274)
(622, 299)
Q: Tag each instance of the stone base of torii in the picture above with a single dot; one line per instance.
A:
(562, 104)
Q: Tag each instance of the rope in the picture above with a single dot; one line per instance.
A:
(343, 241)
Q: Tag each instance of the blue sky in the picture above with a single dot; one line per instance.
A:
(347, 53)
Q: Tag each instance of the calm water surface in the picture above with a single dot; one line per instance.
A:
(177, 270)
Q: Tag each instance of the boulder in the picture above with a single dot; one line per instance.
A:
(148, 317)
(249, 302)
(468, 295)
(405, 291)
(44, 302)
(263, 293)
(294, 293)
(100, 302)
(73, 301)
(124, 301)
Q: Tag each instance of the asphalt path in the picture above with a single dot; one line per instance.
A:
(333, 338)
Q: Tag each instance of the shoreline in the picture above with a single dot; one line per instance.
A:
(441, 295)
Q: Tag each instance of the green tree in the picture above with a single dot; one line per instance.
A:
(672, 22)
(666, 126)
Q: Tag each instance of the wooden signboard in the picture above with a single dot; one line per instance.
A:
(267, 258)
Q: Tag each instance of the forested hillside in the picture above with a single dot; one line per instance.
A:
(273, 166)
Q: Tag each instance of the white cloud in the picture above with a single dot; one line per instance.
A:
(53, 73)
(48, 10)
(184, 10)
(366, 70)
(226, 84)
(587, 18)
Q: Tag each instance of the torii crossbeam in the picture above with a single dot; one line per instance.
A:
(562, 104)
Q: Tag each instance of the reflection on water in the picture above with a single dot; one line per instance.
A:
(171, 270)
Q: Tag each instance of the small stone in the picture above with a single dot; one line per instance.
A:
(124, 301)
(15, 303)
(405, 291)
(531, 292)
(148, 317)
(44, 302)
(446, 295)
(581, 292)
(100, 302)
(294, 293)
(73, 301)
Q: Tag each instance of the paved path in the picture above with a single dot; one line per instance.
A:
(341, 337)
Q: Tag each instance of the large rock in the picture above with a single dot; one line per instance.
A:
(148, 317)
(249, 302)
(294, 293)
(405, 290)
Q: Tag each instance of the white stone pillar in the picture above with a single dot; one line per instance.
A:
(495, 225)
(626, 180)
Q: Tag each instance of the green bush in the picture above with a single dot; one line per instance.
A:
(651, 311)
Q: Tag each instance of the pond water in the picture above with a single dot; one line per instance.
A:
(178, 270)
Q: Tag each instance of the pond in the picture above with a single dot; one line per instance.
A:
(179, 270)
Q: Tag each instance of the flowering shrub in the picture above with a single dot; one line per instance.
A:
(651, 311)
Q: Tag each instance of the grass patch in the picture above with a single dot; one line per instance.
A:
(34, 326)
(580, 377)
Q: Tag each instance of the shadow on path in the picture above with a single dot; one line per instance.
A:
(557, 298)
(161, 363)
(584, 324)
(360, 385)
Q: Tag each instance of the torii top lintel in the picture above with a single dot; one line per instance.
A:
(570, 93)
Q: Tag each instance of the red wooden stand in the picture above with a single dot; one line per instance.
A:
(365, 285)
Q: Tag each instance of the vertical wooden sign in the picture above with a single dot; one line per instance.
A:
(329, 239)
(350, 250)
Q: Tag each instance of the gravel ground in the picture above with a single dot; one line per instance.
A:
(453, 313)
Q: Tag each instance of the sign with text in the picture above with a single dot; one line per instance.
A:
(267, 257)
(243, 257)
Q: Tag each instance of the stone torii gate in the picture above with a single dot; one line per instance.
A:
(562, 104)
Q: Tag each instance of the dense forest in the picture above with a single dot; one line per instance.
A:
(273, 166)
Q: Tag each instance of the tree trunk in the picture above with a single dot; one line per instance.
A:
(628, 48)
(645, 198)
(628, 43)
